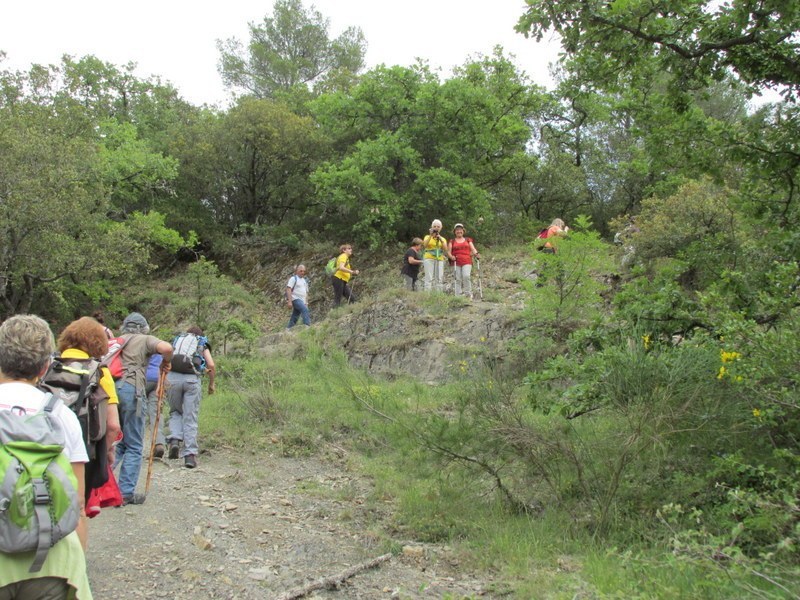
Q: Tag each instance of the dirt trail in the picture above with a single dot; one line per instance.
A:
(250, 526)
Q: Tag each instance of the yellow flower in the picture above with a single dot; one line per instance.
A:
(757, 413)
(646, 340)
(728, 357)
(483, 339)
(722, 372)
(739, 379)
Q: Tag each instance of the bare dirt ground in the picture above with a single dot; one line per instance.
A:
(249, 526)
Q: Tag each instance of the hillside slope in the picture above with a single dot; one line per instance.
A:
(392, 331)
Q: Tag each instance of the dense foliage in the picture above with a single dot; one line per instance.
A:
(652, 393)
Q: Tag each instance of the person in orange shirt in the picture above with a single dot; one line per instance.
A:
(556, 229)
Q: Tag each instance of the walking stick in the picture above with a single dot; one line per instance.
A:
(480, 286)
(350, 295)
(160, 398)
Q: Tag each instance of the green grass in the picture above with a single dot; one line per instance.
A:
(303, 404)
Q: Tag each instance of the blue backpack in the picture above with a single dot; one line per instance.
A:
(153, 367)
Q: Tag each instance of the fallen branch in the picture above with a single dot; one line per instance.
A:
(334, 581)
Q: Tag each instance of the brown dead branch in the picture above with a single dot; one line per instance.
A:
(334, 581)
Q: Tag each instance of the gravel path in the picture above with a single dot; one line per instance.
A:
(259, 526)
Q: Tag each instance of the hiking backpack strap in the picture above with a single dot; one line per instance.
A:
(41, 504)
(435, 250)
(84, 375)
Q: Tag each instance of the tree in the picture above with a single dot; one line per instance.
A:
(679, 53)
(691, 40)
(251, 165)
(290, 50)
(59, 246)
(414, 147)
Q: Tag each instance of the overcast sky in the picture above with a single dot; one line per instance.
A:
(176, 39)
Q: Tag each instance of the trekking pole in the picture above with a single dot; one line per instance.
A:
(160, 398)
(350, 295)
(480, 285)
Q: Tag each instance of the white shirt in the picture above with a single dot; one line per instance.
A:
(300, 285)
(18, 395)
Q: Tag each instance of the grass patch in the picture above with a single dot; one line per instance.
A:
(313, 401)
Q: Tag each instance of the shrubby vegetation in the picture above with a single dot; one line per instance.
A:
(650, 400)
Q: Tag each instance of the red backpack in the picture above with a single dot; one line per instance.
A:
(113, 358)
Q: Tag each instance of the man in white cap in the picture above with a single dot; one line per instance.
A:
(434, 253)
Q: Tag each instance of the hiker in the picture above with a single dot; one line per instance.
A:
(191, 359)
(411, 263)
(151, 377)
(342, 275)
(556, 229)
(135, 354)
(86, 339)
(26, 347)
(297, 297)
(463, 249)
(435, 246)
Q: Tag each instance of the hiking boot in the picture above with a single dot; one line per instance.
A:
(174, 449)
(189, 461)
(136, 498)
(158, 451)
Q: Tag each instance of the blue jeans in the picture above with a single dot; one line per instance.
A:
(129, 450)
(299, 309)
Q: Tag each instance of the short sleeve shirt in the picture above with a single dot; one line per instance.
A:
(16, 395)
(299, 287)
(135, 356)
(409, 269)
(343, 261)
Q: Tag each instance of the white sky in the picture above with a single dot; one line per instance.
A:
(176, 39)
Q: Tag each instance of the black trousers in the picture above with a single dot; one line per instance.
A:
(341, 290)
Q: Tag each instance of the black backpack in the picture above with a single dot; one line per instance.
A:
(76, 381)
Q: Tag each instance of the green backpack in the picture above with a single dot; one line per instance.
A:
(330, 267)
(39, 492)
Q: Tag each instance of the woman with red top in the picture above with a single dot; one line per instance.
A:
(462, 249)
(556, 229)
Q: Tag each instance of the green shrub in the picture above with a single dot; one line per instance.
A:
(567, 291)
